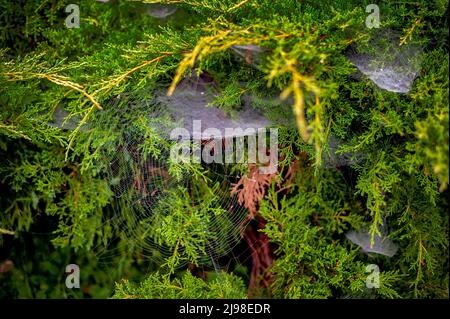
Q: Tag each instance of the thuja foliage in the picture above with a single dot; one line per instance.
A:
(224, 286)
(56, 204)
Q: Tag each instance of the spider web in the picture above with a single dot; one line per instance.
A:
(144, 184)
(389, 64)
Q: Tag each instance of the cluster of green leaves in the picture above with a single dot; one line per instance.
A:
(315, 261)
(189, 227)
(39, 268)
(56, 175)
(42, 182)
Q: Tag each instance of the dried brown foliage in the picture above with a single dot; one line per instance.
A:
(251, 188)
